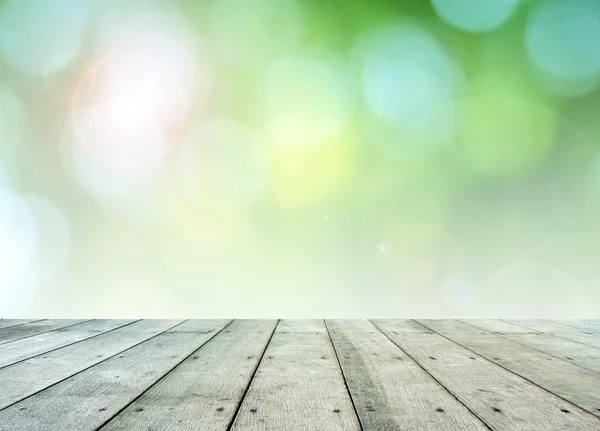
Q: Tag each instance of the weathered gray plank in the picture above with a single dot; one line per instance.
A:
(390, 390)
(7, 323)
(573, 383)
(32, 375)
(588, 325)
(33, 328)
(502, 399)
(206, 389)
(563, 331)
(561, 348)
(24, 348)
(299, 384)
(89, 399)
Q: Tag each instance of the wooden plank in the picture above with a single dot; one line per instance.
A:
(299, 384)
(25, 348)
(89, 399)
(588, 325)
(391, 391)
(35, 374)
(561, 348)
(562, 331)
(502, 399)
(7, 323)
(33, 328)
(204, 391)
(573, 383)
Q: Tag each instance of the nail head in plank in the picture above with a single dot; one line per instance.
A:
(556, 329)
(390, 390)
(35, 374)
(299, 384)
(89, 399)
(560, 348)
(24, 348)
(206, 389)
(502, 399)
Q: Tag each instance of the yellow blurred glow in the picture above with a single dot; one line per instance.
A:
(308, 176)
(475, 16)
(250, 33)
(409, 83)
(503, 134)
(221, 167)
(308, 99)
(41, 36)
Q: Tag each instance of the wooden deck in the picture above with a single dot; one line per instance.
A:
(299, 375)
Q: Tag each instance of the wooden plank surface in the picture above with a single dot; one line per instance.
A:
(391, 391)
(588, 325)
(24, 348)
(35, 374)
(499, 397)
(556, 329)
(573, 383)
(561, 348)
(7, 323)
(89, 399)
(302, 374)
(33, 328)
(204, 391)
(299, 384)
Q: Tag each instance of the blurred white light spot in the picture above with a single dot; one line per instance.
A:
(249, 33)
(326, 218)
(308, 99)
(221, 166)
(408, 80)
(145, 94)
(475, 16)
(562, 40)
(18, 247)
(41, 36)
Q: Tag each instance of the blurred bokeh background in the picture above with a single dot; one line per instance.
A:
(300, 158)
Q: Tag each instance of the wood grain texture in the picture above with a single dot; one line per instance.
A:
(35, 374)
(24, 348)
(577, 385)
(588, 325)
(502, 399)
(583, 336)
(33, 328)
(89, 399)
(204, 391)
(7, 323)
(390, 391)
(561, 348)
(299, 384)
